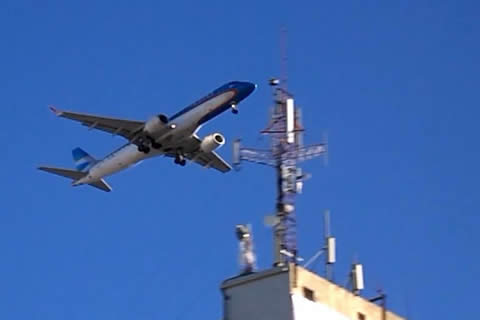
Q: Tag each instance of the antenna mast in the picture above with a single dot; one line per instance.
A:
(284, 58)
(286, 152)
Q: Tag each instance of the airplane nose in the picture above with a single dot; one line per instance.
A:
(246, 88)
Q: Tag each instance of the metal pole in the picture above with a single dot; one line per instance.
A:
(326, 226)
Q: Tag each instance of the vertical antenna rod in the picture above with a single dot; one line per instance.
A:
(284, 58)
(330, 242)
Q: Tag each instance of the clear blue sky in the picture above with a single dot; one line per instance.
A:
(395, 85)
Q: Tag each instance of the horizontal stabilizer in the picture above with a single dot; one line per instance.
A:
(102, 185)
(67, 173)
(75, 175)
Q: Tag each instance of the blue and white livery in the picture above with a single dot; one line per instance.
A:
(83, 161)
(173, 136)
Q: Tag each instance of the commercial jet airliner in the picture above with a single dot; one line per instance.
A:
(160, 135)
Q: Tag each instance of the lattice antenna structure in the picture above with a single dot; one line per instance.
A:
(286, 152)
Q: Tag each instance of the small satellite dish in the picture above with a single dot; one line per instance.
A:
(288, 207)
(274, 82)
(271, 221)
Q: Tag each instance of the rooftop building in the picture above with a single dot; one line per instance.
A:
(293, 292)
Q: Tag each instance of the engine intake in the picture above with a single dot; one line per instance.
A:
(212, 142)
(155, 124)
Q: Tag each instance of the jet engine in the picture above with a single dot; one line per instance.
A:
(212, 142)
(155, 124)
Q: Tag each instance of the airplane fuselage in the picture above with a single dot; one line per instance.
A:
(180, 126)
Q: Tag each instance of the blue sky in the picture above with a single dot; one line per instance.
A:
(393, 84)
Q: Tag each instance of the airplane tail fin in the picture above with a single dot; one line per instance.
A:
(83, 161)
(75, 175)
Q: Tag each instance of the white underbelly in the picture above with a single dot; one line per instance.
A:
(187, 123)
(128, 156)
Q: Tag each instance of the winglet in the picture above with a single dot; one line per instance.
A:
(55, 110)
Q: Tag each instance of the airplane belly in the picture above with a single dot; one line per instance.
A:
(119, 161)
(188, 123)
(210, 106)
(183, 129)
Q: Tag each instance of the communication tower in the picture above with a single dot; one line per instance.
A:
(289, 291)
(285, 154)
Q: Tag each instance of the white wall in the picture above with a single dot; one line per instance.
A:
(263, 299)
(304, 309)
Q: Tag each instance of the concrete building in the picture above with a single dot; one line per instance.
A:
(293, 292)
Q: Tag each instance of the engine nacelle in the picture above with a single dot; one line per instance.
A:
(212, 142)
(155, 124)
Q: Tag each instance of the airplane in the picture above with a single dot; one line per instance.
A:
(174, 137)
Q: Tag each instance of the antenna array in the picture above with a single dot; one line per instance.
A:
(286, 152)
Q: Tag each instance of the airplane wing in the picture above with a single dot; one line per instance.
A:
(125, 128)
(192, 151)
(210, 160)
